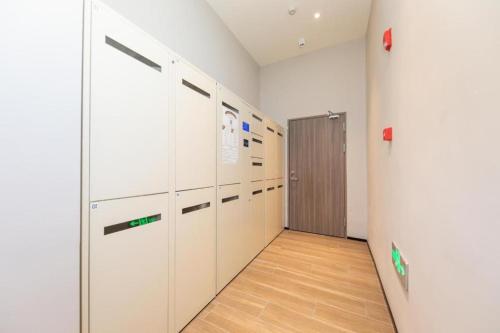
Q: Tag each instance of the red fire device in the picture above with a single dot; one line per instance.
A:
(388, 134)
(388, 39)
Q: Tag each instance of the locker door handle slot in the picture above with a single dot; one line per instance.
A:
(256, 117)
(280, 186)
(131, 53)
(195, 208)
(257, 192)
(111, 229)
(270, 129)
(257, 141)
(256, 164)
(195, 88)
(230, 107)
(270, 189)
(280, 134)
(228, 199)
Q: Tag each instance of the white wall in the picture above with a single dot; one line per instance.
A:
(435, 189)
(329, 79)
(193, 30)
(40, 87)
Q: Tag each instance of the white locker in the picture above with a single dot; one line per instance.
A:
(232, 138)
(270, 148)
(258, 169)
(195, 130)
(280, 152)
(271, 200)
(257, 226)
(195, 253)
(258, 123)
(257, 143)
(129, 98)
(232, 242)
(128, 286)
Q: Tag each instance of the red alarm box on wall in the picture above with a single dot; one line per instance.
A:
(388, 134)
(388, 39)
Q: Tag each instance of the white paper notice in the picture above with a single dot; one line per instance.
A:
(230, 136)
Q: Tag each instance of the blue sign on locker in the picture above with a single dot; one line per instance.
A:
(246, 127)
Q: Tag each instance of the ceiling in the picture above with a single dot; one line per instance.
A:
(270, 34)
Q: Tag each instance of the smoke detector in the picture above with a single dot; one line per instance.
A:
(292, 11)
(302, 42)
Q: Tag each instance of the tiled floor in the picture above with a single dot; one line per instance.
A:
(301, 283)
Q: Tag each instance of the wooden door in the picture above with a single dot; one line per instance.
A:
(317, 175)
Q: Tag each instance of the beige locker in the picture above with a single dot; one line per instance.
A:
(271, 198)
(230, 149)
(129, 98)
(280, 206)
(195, 132)
(195, 253)
(257, 146)
(128, 265)
(258, 169)
(257, 125)
(232, 241)
(270, 149)
(257, 226)
(280, 152)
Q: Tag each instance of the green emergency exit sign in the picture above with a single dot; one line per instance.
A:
(400, 265)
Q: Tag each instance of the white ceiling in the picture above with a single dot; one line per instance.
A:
(270, 34)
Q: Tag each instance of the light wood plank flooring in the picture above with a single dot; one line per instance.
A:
(301, 283)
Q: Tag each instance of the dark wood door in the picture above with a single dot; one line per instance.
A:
(317, 175)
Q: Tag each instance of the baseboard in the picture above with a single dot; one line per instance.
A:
(358, 239)
(383, 289)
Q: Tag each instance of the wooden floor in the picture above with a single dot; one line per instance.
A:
(301, 283)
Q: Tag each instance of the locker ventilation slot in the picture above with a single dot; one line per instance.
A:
(257, 192)
(270, 129)
(257, 140)
(280, 186)
(270, 188)
(256, 164)
(195, 88)
(256, 117)
(195, 208)
(230, 107)
(235, 197)
(280, 134)
(131, 224)
(131, 53)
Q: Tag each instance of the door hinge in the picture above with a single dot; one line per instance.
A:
(344, 148)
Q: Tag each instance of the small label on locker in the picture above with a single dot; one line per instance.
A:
(245, 143)
(246, 127)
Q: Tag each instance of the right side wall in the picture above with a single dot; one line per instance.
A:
(435, 190)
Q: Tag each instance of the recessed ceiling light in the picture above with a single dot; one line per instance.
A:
(317, 15)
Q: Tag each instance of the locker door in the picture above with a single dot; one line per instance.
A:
(128, 276)
(195, 253)
(257, 146)
(231, 236)
(257, 218)
(258, 169)
(230, 137)
(257, 123)
(280, 152)
(270, 207)
(279, 207)
(128, 110)
(195, 129)
(270, 150)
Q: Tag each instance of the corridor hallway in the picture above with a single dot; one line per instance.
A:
(301, 283)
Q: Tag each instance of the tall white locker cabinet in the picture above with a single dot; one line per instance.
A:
(125, 163)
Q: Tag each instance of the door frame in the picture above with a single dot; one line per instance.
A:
(287, 169)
